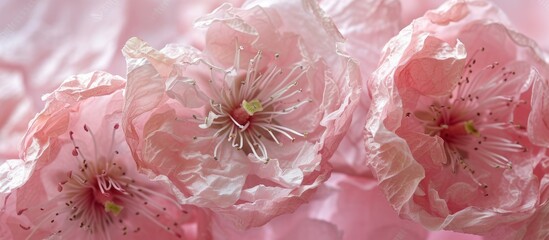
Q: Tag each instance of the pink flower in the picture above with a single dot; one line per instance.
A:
(84, 183)
(246, 126)
(447, 131)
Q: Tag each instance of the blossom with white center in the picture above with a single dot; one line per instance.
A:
(245, 126)
(246, 110)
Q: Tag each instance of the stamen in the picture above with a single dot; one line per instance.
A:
(251, 76)
(236, 122)
(277, 92)
(115, 127)
(281, 128)
(216, 148)
(270, 133)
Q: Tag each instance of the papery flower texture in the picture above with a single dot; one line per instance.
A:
(447, 133)
(287, 119)
(245, 126)
(84, 183)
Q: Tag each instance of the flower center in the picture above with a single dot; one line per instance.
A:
(254, 121)
(106, 192)
(101, 198)
(454, 132)
(475, 120)
(252, 106)
(240, 116)
(112, 207)
(245, 111)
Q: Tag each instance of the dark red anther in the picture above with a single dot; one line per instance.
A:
(21, 211)
(23, 227)
(116, 126)
(85, 127)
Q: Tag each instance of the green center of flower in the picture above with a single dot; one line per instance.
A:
(252, 106)
(112, 207)
(246, 110)
(470, 128)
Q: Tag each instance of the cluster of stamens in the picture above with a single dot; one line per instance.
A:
(469, 120)
(100, 198)
(245, 113)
